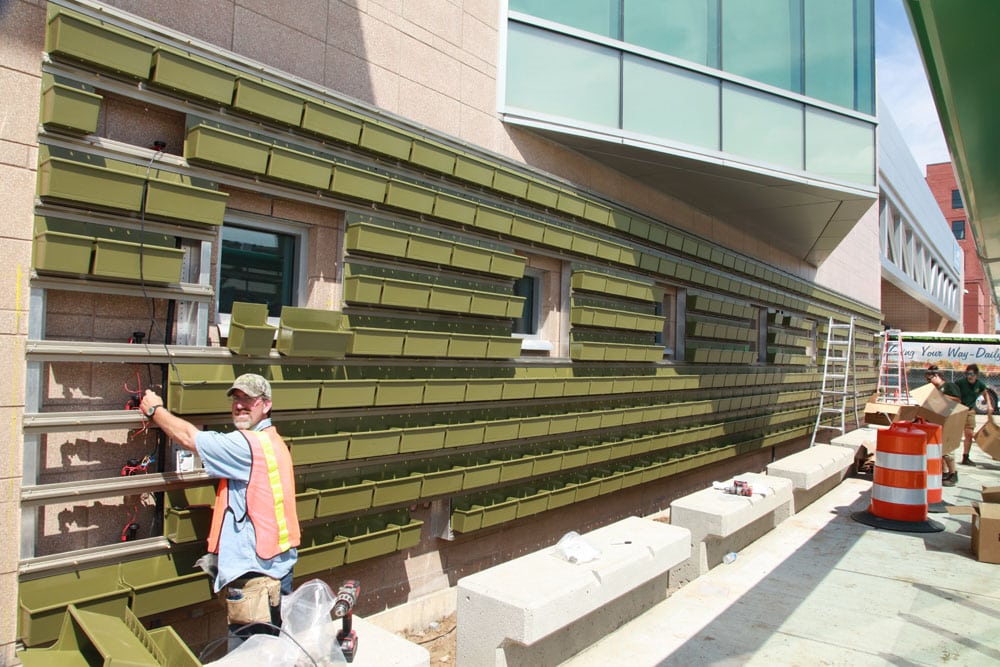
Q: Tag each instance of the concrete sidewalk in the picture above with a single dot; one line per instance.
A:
(823, 589)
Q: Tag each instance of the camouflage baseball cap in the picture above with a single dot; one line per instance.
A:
(252, 385)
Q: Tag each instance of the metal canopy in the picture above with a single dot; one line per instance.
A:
(804, 217)
(957, 41)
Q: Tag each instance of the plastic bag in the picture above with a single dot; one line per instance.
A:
(574, 549)
(306, 628)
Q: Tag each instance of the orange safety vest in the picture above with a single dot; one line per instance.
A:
(270, 498)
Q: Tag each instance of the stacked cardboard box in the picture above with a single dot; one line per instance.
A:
(985, 524)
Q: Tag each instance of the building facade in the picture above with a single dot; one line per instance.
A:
(978, 315)
(513, 269)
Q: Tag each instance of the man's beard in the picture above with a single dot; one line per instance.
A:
(243, 421)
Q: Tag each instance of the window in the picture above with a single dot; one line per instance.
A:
(956, 199)
(261, 261)
(527, 287)
(958, 229)
(540, 326)
(671, 337)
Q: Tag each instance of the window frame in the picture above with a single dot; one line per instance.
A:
(535, 342)
(300, 234)
(956, 199)
(954, 231)
(671, 306)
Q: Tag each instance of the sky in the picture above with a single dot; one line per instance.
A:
(902, 84)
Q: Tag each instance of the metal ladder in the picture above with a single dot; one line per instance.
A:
(838, 368)
(893, 386)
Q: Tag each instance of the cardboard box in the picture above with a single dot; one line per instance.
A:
(937, 408)
(988, 439)
(884, 414)
(985, 525)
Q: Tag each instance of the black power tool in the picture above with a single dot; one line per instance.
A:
(343, 608)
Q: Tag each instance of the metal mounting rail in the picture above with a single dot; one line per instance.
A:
(50, 422)
(182, 291)
(92, 489)
(33, 568)
(131, 353)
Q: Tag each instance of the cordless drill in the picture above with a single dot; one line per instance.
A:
(343, 608)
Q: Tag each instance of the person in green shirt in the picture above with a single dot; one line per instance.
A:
(970, 388)
(949, 389)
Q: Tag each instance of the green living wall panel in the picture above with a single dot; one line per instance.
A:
(443, 406)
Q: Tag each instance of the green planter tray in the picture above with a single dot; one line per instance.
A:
(422, 439)
(83, 183)
(442, 482)
(347, 394)
(467, 520)
(166, 582)
(99, 44)
(377, 240)
(260, 99)
(196, 77)
(186, 203)
(300, 168)
(311, 332)
(345, 499)
(409, 534)
(44, 601)
(132, 261)
(215, 146)
(56, 252)
(187, 525)
(320, 552)
(70, 108)
(370, 539)
(321, 448)
(328, 121)
(368, 444)
(397, 490)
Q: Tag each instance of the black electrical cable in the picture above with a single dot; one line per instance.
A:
(159, 147)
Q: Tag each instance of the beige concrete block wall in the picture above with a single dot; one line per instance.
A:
(22, 25)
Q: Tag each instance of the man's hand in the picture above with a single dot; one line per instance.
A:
(149, 400)
(179, 430)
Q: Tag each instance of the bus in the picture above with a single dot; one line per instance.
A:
(951, 353)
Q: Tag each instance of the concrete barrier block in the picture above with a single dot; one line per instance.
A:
(381, 648)
(507, 613)
(721, 522)
(813, 471)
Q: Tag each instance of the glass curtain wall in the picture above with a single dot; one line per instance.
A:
(821, 48)
(645, 67)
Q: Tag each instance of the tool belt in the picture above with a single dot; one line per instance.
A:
(250, 600)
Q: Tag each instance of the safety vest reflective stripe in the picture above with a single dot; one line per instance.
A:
(900, 461)
(898, 496)
(274, 478)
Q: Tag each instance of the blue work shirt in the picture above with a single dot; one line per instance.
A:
(227, 455)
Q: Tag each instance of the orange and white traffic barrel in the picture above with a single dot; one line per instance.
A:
(899, 489)
(935, 501)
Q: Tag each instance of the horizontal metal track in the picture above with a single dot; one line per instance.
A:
(183, 291)
(42, 566)
(141, 353)
(48, 422)
(92, 489)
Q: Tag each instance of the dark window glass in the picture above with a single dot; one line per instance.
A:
(528, 322)
(256, 267)
(956, 199)
(958, 229)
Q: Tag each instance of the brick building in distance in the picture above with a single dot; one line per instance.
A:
(978, 310)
